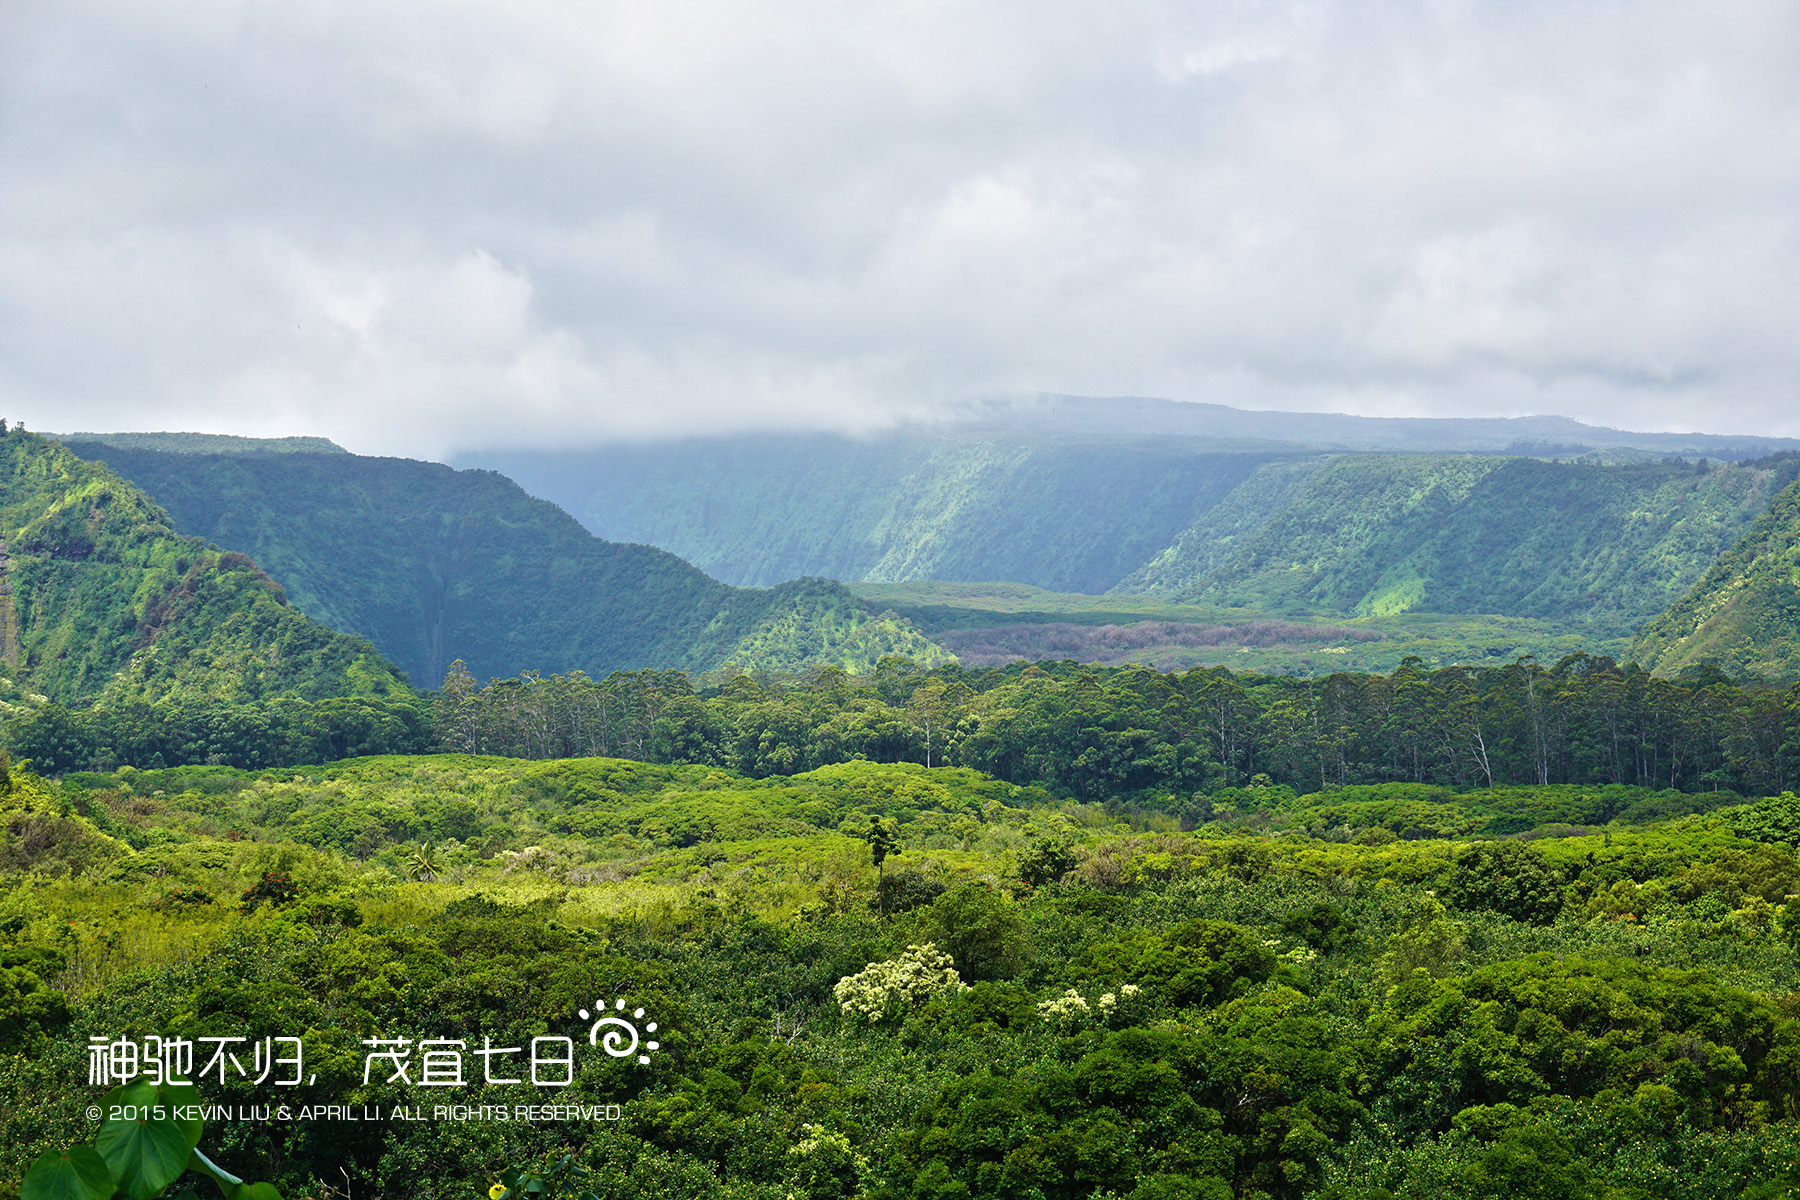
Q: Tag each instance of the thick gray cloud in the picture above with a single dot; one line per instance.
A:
(416, 225)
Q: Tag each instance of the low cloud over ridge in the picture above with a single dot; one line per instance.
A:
(414, 226)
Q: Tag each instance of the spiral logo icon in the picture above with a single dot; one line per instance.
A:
(621, 1039)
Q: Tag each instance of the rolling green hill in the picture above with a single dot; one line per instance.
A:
(1745, 613)
(433, 564)
(102, 597)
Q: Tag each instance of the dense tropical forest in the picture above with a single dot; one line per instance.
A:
(1130, 734)
(1461, 932)
(860, 922)
(1017, 995)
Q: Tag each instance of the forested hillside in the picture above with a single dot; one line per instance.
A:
(1069, 512)
(1606, 547)
(1745, 613)
(433, 565)
(1174, 743)
(1273, 528)
(100, 596)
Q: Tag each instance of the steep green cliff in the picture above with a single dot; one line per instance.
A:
(1067, 512)
(433, 564)
(1745, 613)
(1607, 547)
(1244, 524)
(103, 597)
(1193, 554)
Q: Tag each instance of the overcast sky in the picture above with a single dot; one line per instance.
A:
(414, 226)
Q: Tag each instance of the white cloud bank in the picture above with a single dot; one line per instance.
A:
(417, 225)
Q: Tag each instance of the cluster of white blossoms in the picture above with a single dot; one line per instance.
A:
(1070, 1010)
(1122, 1004)
(884, 989)
(1298, 955)
(1066, 1011)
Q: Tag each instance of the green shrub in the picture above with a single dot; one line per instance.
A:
(28, 1007)
(980, 928)
(1048, 863)
(904, 891)
(1531, 1162)
(1510, 878)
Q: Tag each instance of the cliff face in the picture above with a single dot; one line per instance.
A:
(1744, 614)
(1285, 529)
(9, 619)
(1600, 548)
(433, 565)
(103, 598)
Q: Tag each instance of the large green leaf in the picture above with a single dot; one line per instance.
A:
(229, 1184)
(78, 1173)
(143, 1093)
(148, 1153)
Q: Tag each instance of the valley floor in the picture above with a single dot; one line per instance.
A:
(990, 624)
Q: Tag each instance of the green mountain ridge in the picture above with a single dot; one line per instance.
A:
(1604, 547)
(1744, 614)
(1284, 530)
(206, 443)
(1066, 512)
(432, 565)
(103, 598)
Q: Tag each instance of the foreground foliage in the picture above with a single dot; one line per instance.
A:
(147, 1141)
(1601, 1012)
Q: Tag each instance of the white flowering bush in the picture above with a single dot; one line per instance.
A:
(1299, 955)
(1122, 1007)
(1071, 1011)
(1067, 1011)
(531, 858)
(886, 989)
